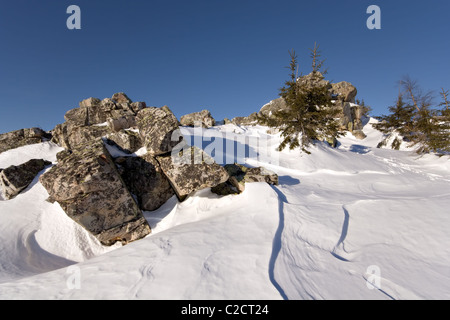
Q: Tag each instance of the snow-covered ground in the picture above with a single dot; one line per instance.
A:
(354, 222)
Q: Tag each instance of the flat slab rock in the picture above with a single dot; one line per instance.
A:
(90, 190)
(191, 170)
(15, 179)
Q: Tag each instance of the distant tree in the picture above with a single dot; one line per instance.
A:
(309, 115)
(445, 105)
(416, 121)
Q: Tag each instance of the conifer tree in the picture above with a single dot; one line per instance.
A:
(400, 121)
(425, 127)
(309, 115)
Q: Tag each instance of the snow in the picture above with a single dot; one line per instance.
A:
(354, 222)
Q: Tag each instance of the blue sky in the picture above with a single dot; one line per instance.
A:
(225, 56)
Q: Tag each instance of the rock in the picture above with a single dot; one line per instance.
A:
(159, 130)
(344, 91)
(91, 102)
(314, 80)
(60, 156)
(239, 175)
(77, 116)
(90, 190)
(15, 179)
(121, 98)
(191, 170)
(333, 142)
(359, 134)
(227, 121)
(246, 121)
(203, 118)
(273, 106)
(138, 106)
(145, 179)
(127, 141)
(22, 137)
(69, 136)
(116, 125)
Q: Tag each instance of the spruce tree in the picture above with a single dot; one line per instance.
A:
(309, 114)
(426, 127)
(400, 121)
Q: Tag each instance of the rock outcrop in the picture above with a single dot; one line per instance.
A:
(90, 190)
(145, 179)
(191, 170)
(22, 137)
(96, 118)
(159, 130)
(15, 179)
(202, 118)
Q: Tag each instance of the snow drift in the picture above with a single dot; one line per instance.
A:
(354, 222)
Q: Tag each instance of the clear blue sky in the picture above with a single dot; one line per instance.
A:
(228, 56)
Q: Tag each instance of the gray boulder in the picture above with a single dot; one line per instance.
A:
(273, 106)
(127, 141)
(90, 190)
(344, 91)
(359, 134)
(22, 137)
(203, 118)
(121, 97)
(239, 175)
(69, 136)
(145, 179)
(159, 130)
(190, 170)
(15, 179)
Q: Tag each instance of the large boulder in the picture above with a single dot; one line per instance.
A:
(91, 191)
(15, 179)
(127, 141)
(190, 170)
(159, 130)
(69, 136)
(202, 118)
(144, 178)
(22, 137)
(344, 91)
(273, 106)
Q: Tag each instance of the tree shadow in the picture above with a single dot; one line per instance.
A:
(288, 181)
(359, 149)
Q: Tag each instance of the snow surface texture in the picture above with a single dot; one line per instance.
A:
(354, 222)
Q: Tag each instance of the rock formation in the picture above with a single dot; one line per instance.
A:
(105, 195)
(159, 130)
(22, 137)
(190, 170)
(90, 190)
(15, 179)
(203, 118)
